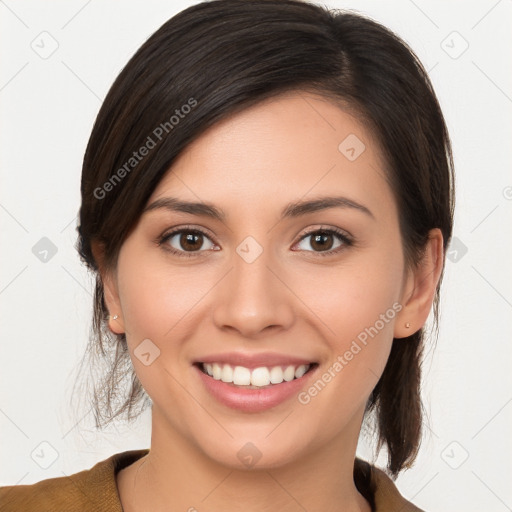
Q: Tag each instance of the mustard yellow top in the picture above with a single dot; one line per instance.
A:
(95, 490)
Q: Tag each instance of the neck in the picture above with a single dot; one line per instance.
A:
(177, 476)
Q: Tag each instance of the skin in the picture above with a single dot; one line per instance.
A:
(290, 300)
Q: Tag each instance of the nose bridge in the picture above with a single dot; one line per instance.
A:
(251, 268)
(252, 297)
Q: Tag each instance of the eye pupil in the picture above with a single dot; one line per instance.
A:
(187, 241)
(321, 239)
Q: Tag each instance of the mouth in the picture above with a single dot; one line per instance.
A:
(262, 377)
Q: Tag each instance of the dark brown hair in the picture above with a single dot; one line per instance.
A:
(218, 58)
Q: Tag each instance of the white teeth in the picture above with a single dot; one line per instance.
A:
(289, 373)
(258, 377)
(241, 376)
(227, 373)
(276, 375)
(300, 371)
(217, 371)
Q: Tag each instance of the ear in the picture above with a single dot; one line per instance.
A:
(420, 287)
(110, 290)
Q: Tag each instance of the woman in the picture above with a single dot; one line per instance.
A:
(267, 197)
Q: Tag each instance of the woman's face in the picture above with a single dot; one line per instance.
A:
(267, 286)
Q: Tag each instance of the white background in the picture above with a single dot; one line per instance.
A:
(48, 108)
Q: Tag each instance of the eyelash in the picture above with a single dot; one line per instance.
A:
(347, 241)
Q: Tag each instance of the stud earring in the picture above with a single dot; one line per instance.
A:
(115, 317)
(407, 325)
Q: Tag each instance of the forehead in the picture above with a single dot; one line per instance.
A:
(289, 147)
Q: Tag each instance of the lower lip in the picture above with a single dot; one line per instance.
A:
(253, 400)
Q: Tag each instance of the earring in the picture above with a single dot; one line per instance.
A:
(407, 325)
(115, 317)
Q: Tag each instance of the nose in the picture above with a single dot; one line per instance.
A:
(253, 298)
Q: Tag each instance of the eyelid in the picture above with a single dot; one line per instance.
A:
(324, 227)
(187, 227)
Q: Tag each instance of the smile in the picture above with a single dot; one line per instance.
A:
(255, 378)
(255, 388)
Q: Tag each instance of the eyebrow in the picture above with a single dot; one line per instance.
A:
(291, 210)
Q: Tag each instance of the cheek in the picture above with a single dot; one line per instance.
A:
(355, 296)
(357, 304)
(360, 316)
(155, 297)
(158, 303)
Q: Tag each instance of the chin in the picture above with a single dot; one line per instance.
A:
(255, 449)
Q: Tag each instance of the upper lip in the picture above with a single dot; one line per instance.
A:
(251, 361)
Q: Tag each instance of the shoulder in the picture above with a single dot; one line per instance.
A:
(89, 490)
(384, 493)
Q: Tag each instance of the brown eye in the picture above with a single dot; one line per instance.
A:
(323, 241)
(186, 241)
(191, 241)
